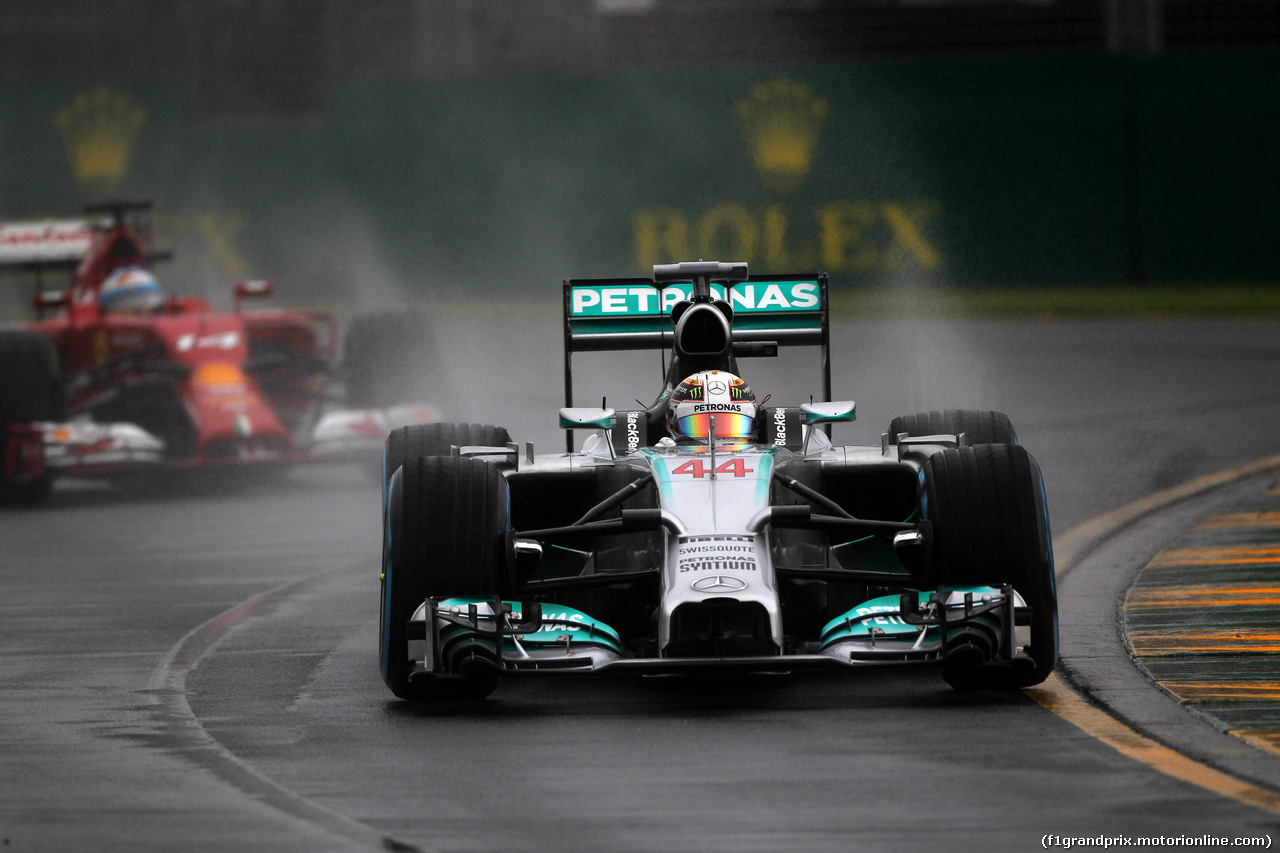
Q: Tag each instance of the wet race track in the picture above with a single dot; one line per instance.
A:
(131, 721)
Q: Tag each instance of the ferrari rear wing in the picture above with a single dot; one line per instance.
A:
(63, 243)
(67, 244)
(53, 243)
(613, 314)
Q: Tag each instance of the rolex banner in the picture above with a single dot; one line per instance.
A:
(1007, 170)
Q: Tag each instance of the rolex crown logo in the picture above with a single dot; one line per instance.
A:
(99, 130)
(782, 120)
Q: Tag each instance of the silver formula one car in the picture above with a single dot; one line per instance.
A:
(709, 534)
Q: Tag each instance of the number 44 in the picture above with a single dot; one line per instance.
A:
(696, 468)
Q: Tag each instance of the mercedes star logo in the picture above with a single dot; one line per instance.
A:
(717, 387)
(719, 583)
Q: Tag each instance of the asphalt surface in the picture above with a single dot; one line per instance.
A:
(193, 666)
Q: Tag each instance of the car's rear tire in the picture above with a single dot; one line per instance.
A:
(436, 439)
(990, 525)
(30, 391)
(979, 427)
(444, 536)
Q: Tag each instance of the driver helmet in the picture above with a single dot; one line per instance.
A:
(130, 290)
(712, 394)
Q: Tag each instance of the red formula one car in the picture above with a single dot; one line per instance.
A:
(117, 376)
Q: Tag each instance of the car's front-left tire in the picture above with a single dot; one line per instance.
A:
(990, 526)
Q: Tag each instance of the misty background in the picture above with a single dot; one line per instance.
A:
(367, 153)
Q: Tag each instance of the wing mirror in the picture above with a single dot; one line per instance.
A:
(47, 300)
(250, 290)
(588, 418)
(822, 413)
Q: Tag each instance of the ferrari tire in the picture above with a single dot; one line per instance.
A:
(979, 427)
(30, 391)
(444, 536)
(29, 387)
(990, 526)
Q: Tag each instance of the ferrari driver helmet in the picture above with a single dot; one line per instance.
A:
(130, 290)
(711, 394)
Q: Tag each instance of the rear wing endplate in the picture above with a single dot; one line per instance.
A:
(612, 314)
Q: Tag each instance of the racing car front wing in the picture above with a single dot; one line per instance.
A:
(447, 636)
(84, 447)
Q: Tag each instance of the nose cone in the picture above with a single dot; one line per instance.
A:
(233, 420)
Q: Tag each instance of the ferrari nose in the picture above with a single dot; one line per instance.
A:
(233, 421)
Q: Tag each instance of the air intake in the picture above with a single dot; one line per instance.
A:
(702, 331)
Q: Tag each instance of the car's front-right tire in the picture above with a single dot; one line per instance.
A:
(30, 392)
(444, 535)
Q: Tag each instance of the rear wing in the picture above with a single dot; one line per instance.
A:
(114, 234)
(53, 243)
(611, 314)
